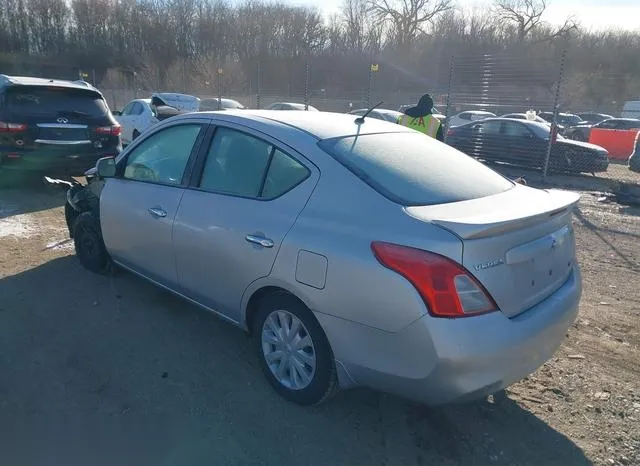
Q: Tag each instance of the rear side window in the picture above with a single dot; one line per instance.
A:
(414, 169)
(54, 102)
(242, 165)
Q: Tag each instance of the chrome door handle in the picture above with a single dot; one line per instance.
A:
(259, 240)
(157, 212)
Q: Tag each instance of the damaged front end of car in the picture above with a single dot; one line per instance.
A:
(81, 197)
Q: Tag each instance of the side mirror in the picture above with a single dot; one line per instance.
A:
(106, 167)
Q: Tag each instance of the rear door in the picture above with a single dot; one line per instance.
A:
(230, 224)
(138, 207)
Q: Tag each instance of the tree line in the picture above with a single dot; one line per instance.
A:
(181, 44)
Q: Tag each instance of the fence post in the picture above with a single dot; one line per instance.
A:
(306, 85)
(369, 85)
(259, 84)
(449, 92)
(556, 107)
(219, 88)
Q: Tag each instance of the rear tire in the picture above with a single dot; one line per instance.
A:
(293, 350)
(89, 246)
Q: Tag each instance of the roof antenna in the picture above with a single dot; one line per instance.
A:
(360, 120)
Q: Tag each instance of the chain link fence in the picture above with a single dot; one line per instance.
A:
(537, 130)
(470, 90)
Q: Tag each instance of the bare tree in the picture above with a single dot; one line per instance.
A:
(406, 18)
(354, 16)
(526, 16)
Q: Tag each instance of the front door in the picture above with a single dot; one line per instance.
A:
(230, 225)
(138, 207)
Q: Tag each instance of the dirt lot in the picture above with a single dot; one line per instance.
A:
(111, 371)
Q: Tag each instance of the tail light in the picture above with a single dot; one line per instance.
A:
(446, 287)
(12, 127)
(114, 130)
(450, 132)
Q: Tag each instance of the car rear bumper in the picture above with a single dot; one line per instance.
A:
(437, 361)
(70, 161)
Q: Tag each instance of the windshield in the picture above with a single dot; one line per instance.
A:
(414, 169)
(569, 120)
(54, 101)
(231, 104)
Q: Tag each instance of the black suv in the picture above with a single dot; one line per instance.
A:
(52, 126)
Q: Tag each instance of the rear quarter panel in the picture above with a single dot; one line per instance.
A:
(343, 216)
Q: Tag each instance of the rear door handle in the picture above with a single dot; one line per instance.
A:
(259, 240)
(157, 212)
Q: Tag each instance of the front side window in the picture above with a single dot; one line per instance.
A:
(163, 156)
(242, 165)
(128, 108)
(607, 124)
(137, 109)
(490, 128)
(516, 130)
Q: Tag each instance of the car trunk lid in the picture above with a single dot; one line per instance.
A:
(519, 244)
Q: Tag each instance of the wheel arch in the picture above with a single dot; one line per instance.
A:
(257, 292)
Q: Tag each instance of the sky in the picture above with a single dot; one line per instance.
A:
(592, 14)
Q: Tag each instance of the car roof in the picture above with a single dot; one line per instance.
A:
(479, 112)
(215, 99)
(320, 125)
(630, 120)
(516, 120)
(379, 110)
(31, 81)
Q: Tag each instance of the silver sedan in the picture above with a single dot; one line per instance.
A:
(354, 253)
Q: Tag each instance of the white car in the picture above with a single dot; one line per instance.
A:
(139, 114)
(290, 106)
(469, 116)
(379, 113)
(631, 109)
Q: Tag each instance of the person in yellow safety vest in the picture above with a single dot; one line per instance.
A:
(421, 118)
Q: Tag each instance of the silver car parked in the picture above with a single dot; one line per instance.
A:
(355, 253)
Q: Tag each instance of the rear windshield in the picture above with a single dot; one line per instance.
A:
(55, 102)
(414, 169)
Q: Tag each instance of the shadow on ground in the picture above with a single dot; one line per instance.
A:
(33, 195)
(110, 370)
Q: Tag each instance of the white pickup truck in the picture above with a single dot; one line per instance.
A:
(140, 114)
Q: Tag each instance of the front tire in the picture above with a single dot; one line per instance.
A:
(293, 350)
(89, 246)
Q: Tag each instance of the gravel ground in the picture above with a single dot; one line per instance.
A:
(112, 371)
